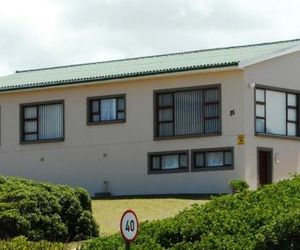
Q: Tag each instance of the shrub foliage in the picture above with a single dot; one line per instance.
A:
(268, 218)
(238, 186)
(21, 243)
(42, 211)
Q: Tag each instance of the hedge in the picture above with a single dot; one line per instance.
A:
(21, 243)
(268, 218)
(43, 211)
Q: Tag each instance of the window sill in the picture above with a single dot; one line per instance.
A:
(295, 138)
(42, 141)
(212, 169)
(156, 138)
(105, 122)
(168, 171)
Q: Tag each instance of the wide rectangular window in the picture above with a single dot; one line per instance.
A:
(106, 109)
(276, 112)
(42, 121)
(187, 112)
(168, 161)
(210, 159)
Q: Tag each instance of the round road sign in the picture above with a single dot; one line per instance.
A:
(129, 225)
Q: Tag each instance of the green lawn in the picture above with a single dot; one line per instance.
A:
(108, 212)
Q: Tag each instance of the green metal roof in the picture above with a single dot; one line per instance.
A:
(159, 64)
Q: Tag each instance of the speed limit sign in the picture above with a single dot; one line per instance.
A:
(129, 226)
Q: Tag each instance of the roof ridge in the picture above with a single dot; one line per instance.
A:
(158, 55)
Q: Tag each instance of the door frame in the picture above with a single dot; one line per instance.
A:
(270, 165)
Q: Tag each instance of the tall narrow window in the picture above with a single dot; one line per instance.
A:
(276, 112)
(187, 112)
(106, 109)
(42, 122)
(292, 118)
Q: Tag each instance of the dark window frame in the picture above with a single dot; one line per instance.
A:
(22, 121)
(297, 108)
(212, 150)
(176, 90)
(90, 112)
(167, 171)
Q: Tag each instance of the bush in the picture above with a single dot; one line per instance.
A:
(21, 243)
(42, 211)
(268, 218)
(238, 186)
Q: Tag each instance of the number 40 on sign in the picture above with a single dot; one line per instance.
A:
(129, 226)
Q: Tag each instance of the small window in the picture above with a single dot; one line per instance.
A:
(208, 159)
(107, 109)
(42, 122)
(168, 162)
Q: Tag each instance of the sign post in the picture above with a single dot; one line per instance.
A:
(129, 227)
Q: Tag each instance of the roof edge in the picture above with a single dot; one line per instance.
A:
(276, 54)
(82, 82)
(157, 55)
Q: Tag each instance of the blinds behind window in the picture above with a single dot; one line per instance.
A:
(50, 121)
(276, 112)
(189, 112)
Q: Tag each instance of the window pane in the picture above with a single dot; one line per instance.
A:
(155, 162)
(292, 116)
(292, 100)
(211, 95)
(170, 161)
(108, 109)
(121, 115)
(30, 126)
(214, 159)
(212, 125)
(165, 115)
(260, 95)
(51, 121)
(95, 106)
(165, 100)
(183, 160)
(276, 112)
(188, 112)
(211, 110)
(96, 118)
(165, 129)
(260, 110)
(32, 137)
(121, 103)
(30, 112)
(228, 158)
(199, 160)
(260, 125)
(292, 130)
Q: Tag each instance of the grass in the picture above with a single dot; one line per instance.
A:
(108, 212)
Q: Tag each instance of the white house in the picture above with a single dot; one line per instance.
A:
(168, 124)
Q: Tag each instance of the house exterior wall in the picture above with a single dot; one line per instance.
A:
(117, 153)
(281, 72)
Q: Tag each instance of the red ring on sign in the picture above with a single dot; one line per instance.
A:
(137, 222)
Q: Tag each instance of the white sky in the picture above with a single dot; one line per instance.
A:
(41, 33)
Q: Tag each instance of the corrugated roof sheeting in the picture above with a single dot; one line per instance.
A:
(202, 59)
